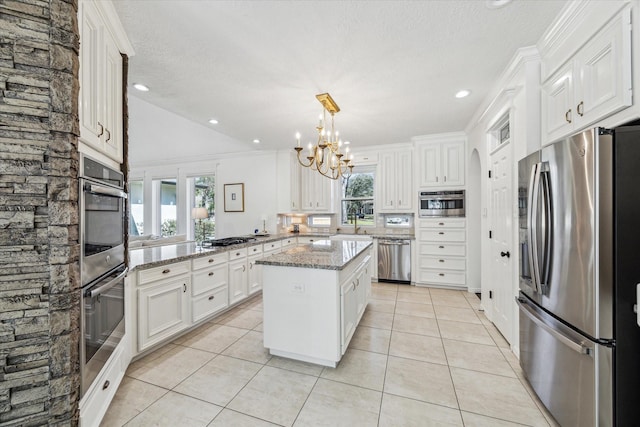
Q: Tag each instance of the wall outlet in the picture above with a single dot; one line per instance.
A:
(297, 288)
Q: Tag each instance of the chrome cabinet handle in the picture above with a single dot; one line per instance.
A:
(580, 109)
(184, 287)
(108, 137)
(101, 130)
(567, 116)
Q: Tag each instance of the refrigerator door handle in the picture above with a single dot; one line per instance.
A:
(534, 190)
(535, 318)
(636, 306)
(543, 274)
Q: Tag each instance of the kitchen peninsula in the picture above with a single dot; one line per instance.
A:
(314, 296)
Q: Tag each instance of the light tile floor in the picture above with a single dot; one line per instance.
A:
(420, 357)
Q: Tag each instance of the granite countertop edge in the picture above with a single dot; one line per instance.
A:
(297, 259)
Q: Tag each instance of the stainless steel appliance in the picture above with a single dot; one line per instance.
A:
(441, 203)
(102, 269)
(394, 260)
(579, 234)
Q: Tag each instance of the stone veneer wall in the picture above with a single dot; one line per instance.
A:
(39, 251)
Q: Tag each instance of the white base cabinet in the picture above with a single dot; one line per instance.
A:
(441, 252)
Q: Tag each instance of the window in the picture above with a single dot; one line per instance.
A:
(357, 197)
(203, 192)
(136, 200)
(165, 192)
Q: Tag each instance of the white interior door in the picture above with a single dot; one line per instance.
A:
(502, 256)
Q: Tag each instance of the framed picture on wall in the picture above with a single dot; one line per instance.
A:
(234, 197)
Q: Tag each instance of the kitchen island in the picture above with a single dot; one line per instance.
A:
(314, 296)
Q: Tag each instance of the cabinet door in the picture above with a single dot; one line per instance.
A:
(237, 280)
(361, 293)
(162, 311)
(112, 100)
(91, 32)
(255, 274)
(404, 180)
(557, 100)
(429, 158)
(603, 79)
(387, 182)
(453, 163)
(308, 189)
(348, 312)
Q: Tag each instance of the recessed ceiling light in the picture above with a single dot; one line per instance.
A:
(141, 87)
(213, 121)
(463, 93)
(347, 142)
(256, 141)
(496, 4)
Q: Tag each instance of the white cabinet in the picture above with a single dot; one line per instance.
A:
(209, 286)
(396, 181)
(315, 194)
(163, 303)
(594, 83)
(100, 75)
(348, 312)
(441, 163)
(441, 252)
(238, 275)
(288, 178)
(255, 274)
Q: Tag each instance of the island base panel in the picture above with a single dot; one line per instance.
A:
(304, 358)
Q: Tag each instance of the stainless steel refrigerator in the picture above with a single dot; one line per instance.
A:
(579, 232)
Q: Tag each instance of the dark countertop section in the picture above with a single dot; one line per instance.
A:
(323, 254)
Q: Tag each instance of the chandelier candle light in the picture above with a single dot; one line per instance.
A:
(326, 156)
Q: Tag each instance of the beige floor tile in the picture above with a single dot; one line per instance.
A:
(415, 309)
(371, 339)
(477, 357)
(453, 300)
(246, 319)
(219, 380)
(155, 354)
(383, 306)
(197, 331)
(359, 368)
(495, 396)
(417, 347)
(417, 297)
(428, 382)
(383, 294)
(400, 411)
(513, 361)
(446, 292)
(215, 339)
(456, 314)
(416, 325)
(172, 367)
(228, 418)
(250, 347)
(295, 366)
(465, 332)
(414, 289)
(376, 319)
(475, 420)
(133, 397)
(497, 336)
(336, 404)
(174, 409)
(384, 286)
(274, 395)
(259, 328)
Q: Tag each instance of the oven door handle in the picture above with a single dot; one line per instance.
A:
(101, 189)
(102, 289)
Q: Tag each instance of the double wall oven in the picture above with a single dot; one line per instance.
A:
(102, 199)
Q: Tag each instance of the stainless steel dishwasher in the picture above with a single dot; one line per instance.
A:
(394, 260)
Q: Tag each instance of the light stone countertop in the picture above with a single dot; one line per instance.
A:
(323, 254)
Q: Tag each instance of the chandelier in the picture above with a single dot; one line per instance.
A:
(326, 156)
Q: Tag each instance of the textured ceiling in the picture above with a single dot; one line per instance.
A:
(393, 67)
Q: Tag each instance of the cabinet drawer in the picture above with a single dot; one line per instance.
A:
(442, 223)
(209, 303)
(304, 240)
(237, 253)
(210, 260)
(163, 272)
(208, 279)
(272, 246)
(252, 250)
(443, 263)
(288, 243)
(442, 276)
(442, 249)
(442, 235)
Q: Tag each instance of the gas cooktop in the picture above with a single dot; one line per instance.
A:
(227, 241)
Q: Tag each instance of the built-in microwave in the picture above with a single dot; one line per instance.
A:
(441, 203)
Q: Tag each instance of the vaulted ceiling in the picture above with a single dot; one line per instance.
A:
(393, 67)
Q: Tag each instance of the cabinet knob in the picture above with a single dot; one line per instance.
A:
(211, 273)
(237, 253)
(166, 270)
(441, 223)
(441, 274)
(211, 297)
(106, 385)
(440, 260)
(441, 232)
(210, 260)
(441, 247)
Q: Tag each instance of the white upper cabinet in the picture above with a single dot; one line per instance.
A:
(100, 102)
(440, 162)
(593, 83)
(288, 178)
(315, 191)
(395, 186)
